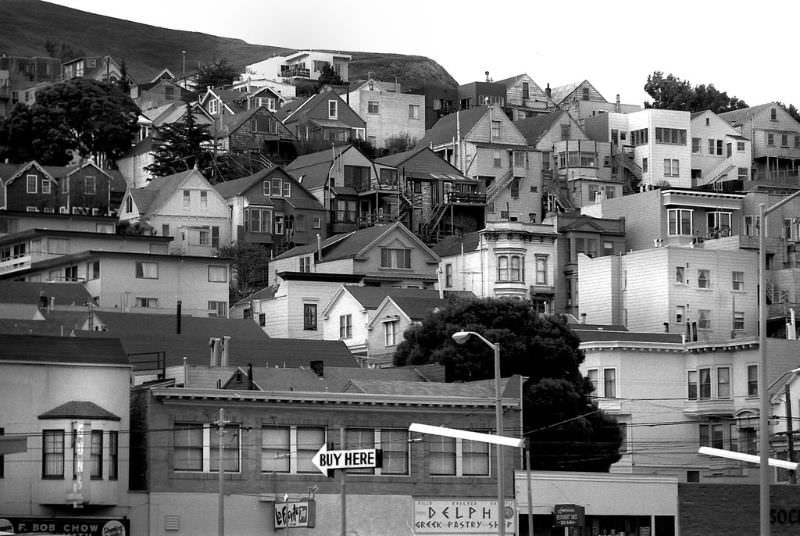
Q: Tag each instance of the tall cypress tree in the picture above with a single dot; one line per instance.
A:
(181, 146)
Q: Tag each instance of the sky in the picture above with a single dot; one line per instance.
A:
(748, 50)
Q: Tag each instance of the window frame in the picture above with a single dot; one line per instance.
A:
(141, 273)
(31, 187)
(675, 227)
(214, 271)
(310, 318)
(390, 333)
(345, 326)
(53, 454)
(208, 447)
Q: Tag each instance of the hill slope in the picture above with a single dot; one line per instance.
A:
(27, 25)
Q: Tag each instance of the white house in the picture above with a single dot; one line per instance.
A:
(390, 114)
(306, 64)
(719, 152)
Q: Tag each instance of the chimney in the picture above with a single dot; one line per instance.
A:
(226, 343)
(318, 367)
(52, 304)
(487, 77)
(617, 106)
(216, 348)
(547, 90)
(583, 318)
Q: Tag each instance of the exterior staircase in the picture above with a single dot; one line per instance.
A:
(499, 185)
(432, 227)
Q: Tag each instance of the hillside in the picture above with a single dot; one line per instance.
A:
(27, 25)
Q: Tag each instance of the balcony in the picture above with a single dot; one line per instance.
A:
(15, 264)
(294, 71)
(465, 198)
(709, 407)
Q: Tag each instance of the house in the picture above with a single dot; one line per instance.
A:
(705, 294)
(271, 208)
(255, 137)
(144, 282)
(322, 119)
(435, 198)
(582, 100)
(506, 259)
(38, 301)
(303, 65)
(524, 97)
(719, 153)
(350, 311)
(22, 76)
(13, 221)
(101, 68)
(65, 406)
(79, 189)
(159, 92)
(19, 251)
(392, 117)
(439, 101)
(656, 141)
(250, 83)
(384, 255)
(575, 169)
(484, 144)
(580, 234)
(775, 138)
(341, 178)
(476, 94)
(184, 206)
(272, 435)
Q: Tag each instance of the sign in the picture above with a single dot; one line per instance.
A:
(568, 515)
(326, 460)
(462, 516)
(74, 526)
(295, 514)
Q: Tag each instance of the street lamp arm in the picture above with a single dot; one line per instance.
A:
(460, 337)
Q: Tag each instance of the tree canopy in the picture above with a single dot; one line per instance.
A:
(672, 93)
(328, 75)
(567, 430)
(180, 146)
(249, 267)
(81, 116)
(216, 74)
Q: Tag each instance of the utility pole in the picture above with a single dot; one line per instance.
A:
(789, 430)
(221, 422)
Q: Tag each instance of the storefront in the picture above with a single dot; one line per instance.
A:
(596, 504)
(74, 526)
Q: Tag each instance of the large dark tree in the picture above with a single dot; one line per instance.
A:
(77, 117)
(671, 93)
(567, 430)
(328, 75)
(250, 267)
(181, 146)
(216, 74)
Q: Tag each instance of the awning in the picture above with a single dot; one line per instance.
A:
(330, 123)
(436, 177)
(11, 445)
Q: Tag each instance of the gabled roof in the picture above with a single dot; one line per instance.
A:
(415, 161)
(240, 187)
(158, 191)
(79, 409)
(559, 93)
(334, 379)
(739, 116)
(28, 292)
(372, 297)
(62, 350)
(452, 245)
(534, 128)
(290, 107)
(418, 307)
(228, 124)
(320, 157)
(444, 131)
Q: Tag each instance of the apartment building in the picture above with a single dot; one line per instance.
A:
(392, 117)
(719, 153)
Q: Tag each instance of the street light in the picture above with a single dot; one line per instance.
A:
(763, 417)
(460, 337)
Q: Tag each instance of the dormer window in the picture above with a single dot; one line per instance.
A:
(213, 106)
(333, 109)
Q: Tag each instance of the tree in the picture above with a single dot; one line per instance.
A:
(181, 146)
(791, 110)
(81, 116)
(62, 51)
(672, 93)
(567, 429)
(250, 265)
(217, 74)
(329, 76)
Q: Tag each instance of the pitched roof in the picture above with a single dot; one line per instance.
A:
(228, 124)
(739, 116)
(52, 327)
(45, 349)
(452, 245)
(28, 292)
(445, 128)
(334, 379)
(418, 307)
(343, 246)
(81, 409)
(290, 107)
(533, 128)
(559, 93)
(418, 162)
(371, 297)
(311, 159)
(238, 187)
(158, 191)
(397, 159)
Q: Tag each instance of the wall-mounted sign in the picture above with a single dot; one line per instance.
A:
(75, 526)
(326, 460)
(568, 515)
(295, 514)
(462, 516)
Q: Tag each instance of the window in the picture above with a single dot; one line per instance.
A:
(203, 237)
(592, 375)
(217, 309)
(610, 383)
(333, 109)
(737, 280)
(703, 278)
(217, 274)
(514, 190)
(680, 275)
(448, 275)
(502, 268)
(738, 320)
(113, 455)
(751, 225)
(784, 140)
(519, 159)
(196, 447)
(187, 199)
(705, 383)
(289, 450)
(704, 319)
(639, 137)
(345, 211)
(541, 269)
(585, 93)
(53, 454)
(442, 455)
(305, 264)
(287, 189)
(390, 333)
(214, 236)
(679, 222)
(316, 222)
(474, 458)
(773, 114)
(719, 221)
(372, 107)
(96, 455)
(671, 167)
(719, 147)
(93, 270)
(770, 138)
(796, 143)
(276, 187)
(147, 302)
(711, 435)
(526, 92)
(345, 326)
(146, 270)
(644, 165)
(723, 382)
(165, 229)
(680, 313)
(495, 129)
(258, 220)
(45, 186)
(2, 458)
(32, 184)
(565, 131)
(394, 445)
(203, 199)
(752, 380)
(213, 106)
(413, 111)
(89, 185)
(498, 159)
(672, 136)
(695, 145)
(310, 316)
(396, 258)
(691, 387)
(359, 438)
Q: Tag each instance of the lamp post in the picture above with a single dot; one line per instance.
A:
(763, 417)
(460, 337)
